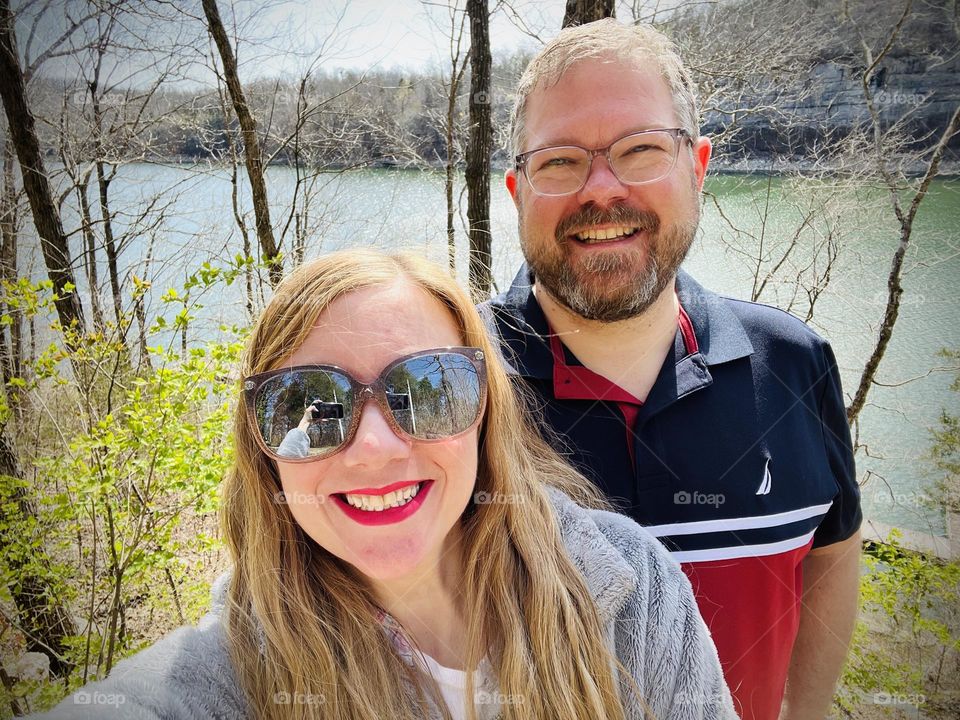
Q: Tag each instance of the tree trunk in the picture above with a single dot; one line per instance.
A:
(110, 245)
(894, 288)
(478, 150)
(39, 611)
(90, 253)
(457, 68)
(251, 146)
(451, 173)
(581, 12)
(12, 348)
(22, 129)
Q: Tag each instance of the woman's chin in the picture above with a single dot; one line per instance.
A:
(385, 562)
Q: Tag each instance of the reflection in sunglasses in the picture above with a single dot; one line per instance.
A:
(308, 412)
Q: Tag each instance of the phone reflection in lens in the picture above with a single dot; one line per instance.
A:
(282, 401)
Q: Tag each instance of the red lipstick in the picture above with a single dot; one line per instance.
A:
(388, 516)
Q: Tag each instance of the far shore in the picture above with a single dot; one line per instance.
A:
(776, 166)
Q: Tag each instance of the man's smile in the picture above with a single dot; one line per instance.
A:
(591, 236)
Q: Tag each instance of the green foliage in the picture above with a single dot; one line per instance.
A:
(945, 451)
(906, 647)
(117, 520)
(909, 625)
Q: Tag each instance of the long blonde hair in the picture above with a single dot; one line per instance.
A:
(300, 630)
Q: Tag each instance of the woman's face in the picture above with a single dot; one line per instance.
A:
(362, 332)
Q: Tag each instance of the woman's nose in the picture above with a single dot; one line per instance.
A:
(375, 443)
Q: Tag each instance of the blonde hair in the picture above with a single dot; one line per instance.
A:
(606, 39)
(299, 620)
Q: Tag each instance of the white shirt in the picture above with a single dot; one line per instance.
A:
(453, 687)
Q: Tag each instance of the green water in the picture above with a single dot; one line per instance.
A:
(391, 209)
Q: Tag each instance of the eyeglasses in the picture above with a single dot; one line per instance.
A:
(430, 395)
(635, 159)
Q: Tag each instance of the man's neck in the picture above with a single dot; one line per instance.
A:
(629, 352)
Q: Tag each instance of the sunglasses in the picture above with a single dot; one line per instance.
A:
(430, 395)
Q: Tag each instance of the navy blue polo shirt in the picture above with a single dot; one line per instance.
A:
(739, 460)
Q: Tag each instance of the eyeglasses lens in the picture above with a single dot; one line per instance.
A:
(640, 158)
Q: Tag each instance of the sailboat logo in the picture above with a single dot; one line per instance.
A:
(764, 488)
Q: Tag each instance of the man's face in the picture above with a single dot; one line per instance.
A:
(608, 250)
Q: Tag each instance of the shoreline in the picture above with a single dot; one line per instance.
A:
(949, 168)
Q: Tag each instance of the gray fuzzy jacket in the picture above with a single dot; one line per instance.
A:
(645, 602)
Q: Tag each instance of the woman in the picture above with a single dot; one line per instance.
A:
(402, 544)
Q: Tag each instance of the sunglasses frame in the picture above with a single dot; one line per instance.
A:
(360, 394)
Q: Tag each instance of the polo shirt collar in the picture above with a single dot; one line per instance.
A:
(720, 335)
(524, 329)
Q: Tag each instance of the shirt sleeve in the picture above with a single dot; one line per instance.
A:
(844, 517)
(295, 444)
(185, 676)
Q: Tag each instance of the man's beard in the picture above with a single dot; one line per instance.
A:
(612, 286)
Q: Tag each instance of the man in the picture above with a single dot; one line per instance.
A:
(716, 423)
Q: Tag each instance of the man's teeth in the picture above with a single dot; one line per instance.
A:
(614, 233)
(379, 503)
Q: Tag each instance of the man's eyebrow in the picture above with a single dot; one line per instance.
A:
(565, 141)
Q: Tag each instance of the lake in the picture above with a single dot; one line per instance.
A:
(405, 209)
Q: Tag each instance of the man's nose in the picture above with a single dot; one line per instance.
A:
(375, 444)
(602, 187)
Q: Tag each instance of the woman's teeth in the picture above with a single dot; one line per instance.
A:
(378, 503)
(615, 233)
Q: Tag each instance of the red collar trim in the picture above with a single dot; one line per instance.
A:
(686, 329)
(575, 382)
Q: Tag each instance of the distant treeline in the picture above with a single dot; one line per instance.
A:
(774, 77)
(333, 119)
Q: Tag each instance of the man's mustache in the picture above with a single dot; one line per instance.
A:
(589, 215)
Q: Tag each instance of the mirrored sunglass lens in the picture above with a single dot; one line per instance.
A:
(434, 396)
(304, 413)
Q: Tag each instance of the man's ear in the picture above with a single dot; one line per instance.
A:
(510, 180)
(701, 159)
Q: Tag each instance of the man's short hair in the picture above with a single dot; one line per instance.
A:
(606, 39)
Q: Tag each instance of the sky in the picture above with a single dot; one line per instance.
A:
(286, 38)
(364, 34)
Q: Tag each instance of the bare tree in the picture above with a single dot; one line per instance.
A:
(10, 335)
(106, 119)
(21, 125)
(251, 144)
(458, 65)
(44, 621)
(478, 150)
(581, 12)
(887, 147)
